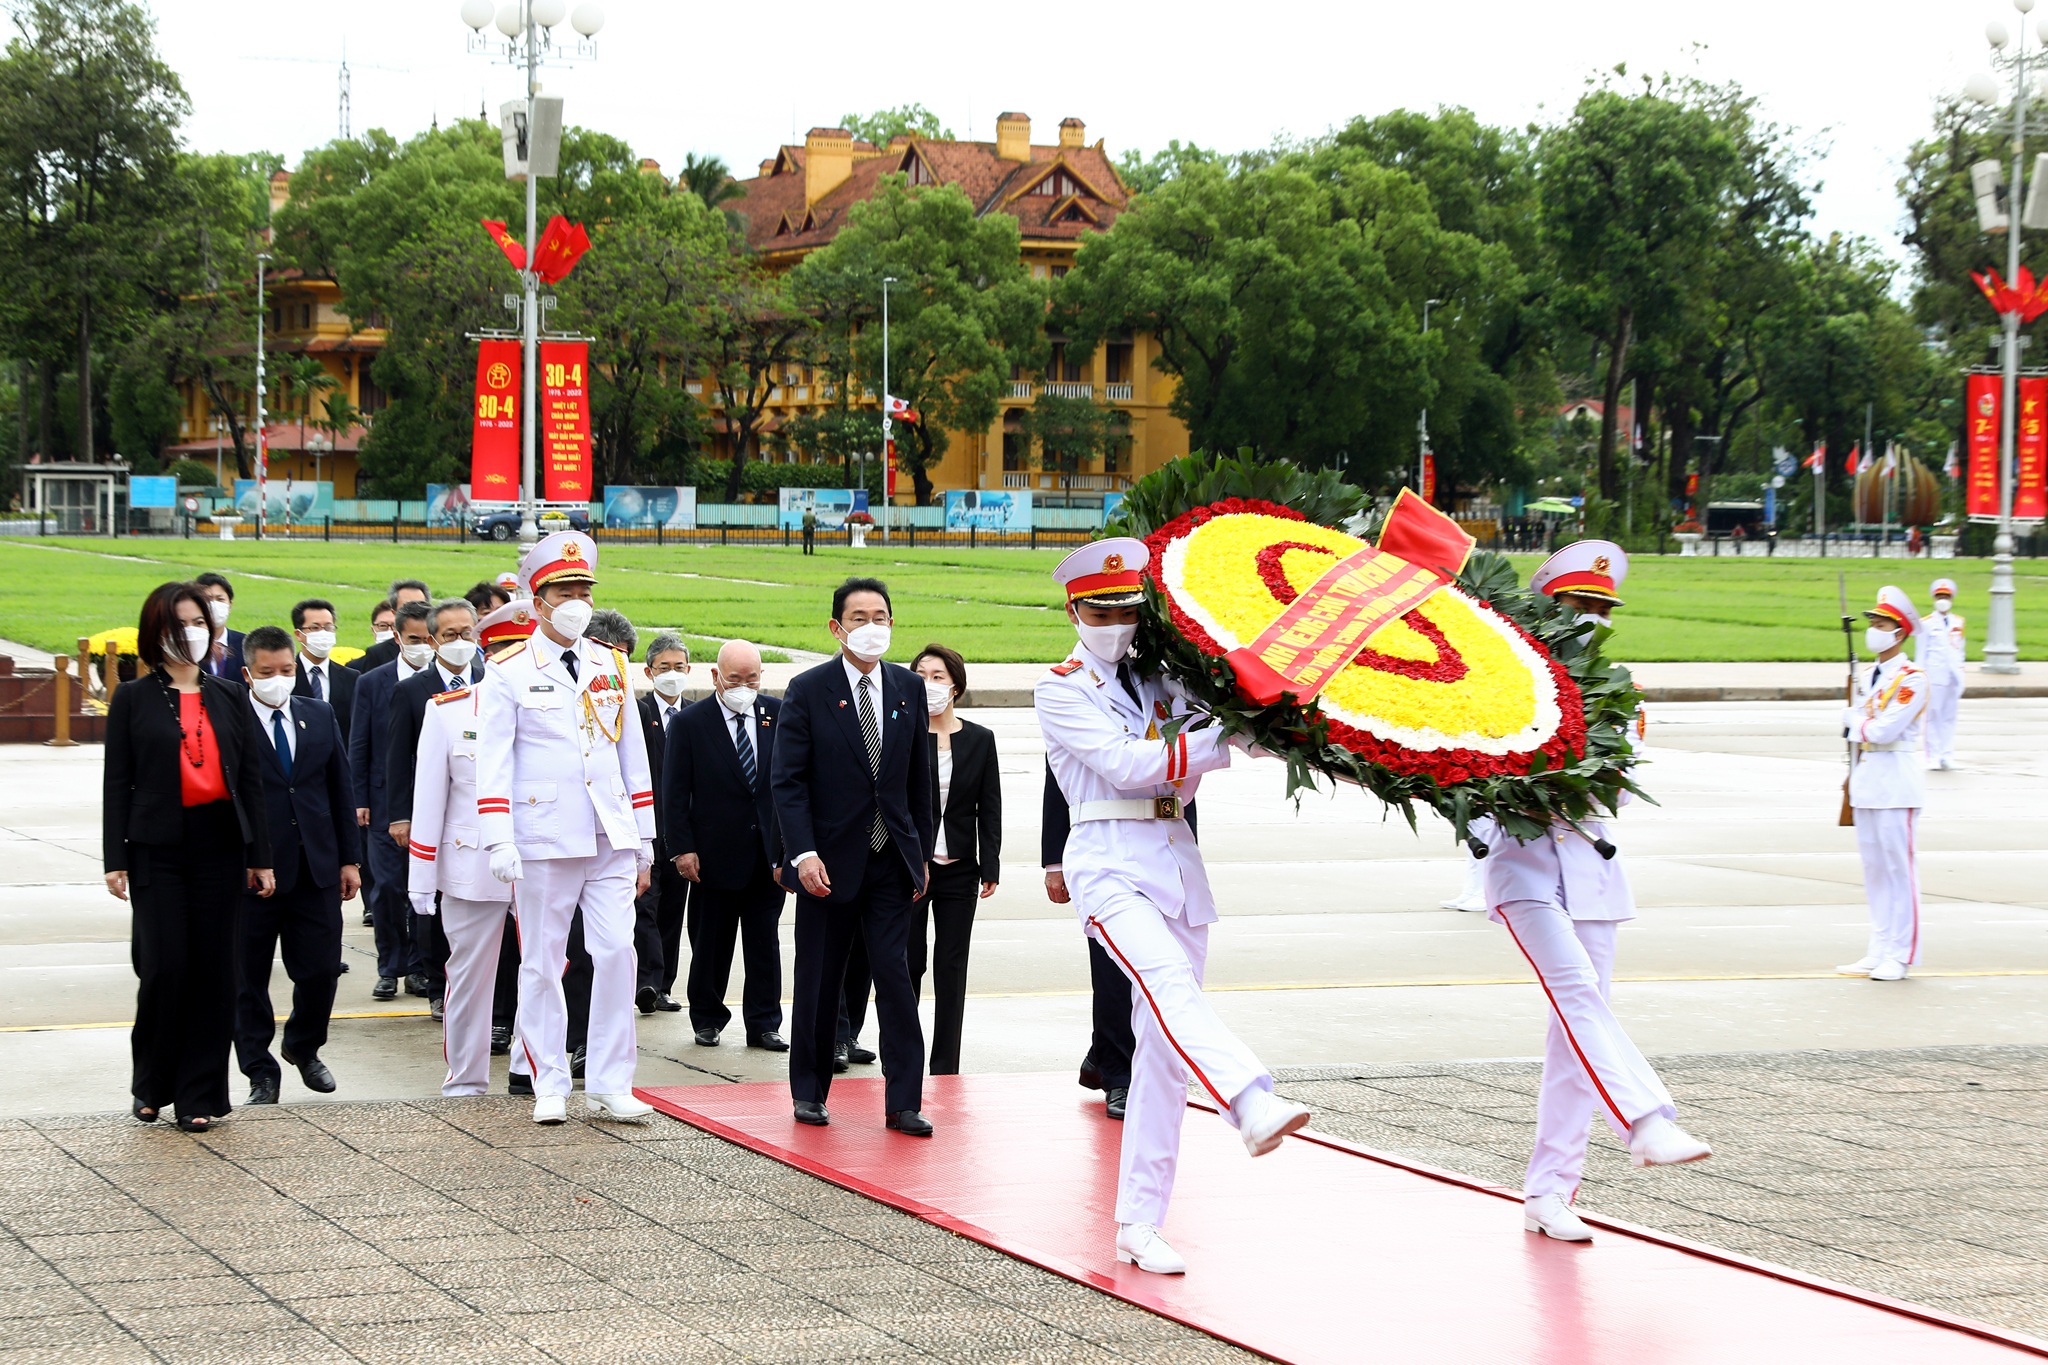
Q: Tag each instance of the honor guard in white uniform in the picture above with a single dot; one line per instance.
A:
(1563, 897)
(1137, 881)
(448, 858)
(1887, 786)
(1938, 647)
(567, 807)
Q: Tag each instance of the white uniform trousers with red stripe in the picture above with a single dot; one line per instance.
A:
(1887, 837)
(1589, 1063)
(475, 930)
(1942, 701)
(1178, 1037)
(546, 901)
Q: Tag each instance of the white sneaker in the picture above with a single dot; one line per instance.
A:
(1862, 966)
(627, 1107)
(1269, 1120)
(550, 1109)
(1140, 1244)
(1551, 1216)
(1889, 971)
(1657, 1141)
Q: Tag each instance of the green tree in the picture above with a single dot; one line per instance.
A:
(846, 435)
(1142, 174)
(88, 139)
(913, 120)
(963, 311)
(710, 180)
(756, 336)
(1070, 432)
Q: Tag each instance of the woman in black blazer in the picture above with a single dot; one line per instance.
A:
(967, 801)
(184, 834)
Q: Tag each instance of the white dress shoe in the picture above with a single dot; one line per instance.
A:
(1140, 1244)
(628, 1107)
(1657, 1141)
(1889, 971)
(1551, 1216)
(550, 1109)
(1862, 966)
(1270, 1120)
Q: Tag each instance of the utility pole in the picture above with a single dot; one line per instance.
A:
(1422, 422)
(262, 439)
(888, 445)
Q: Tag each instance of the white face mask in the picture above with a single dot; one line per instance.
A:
(1595, 618)
(937, 696)
(273, 691)
(1941, 605)
(189, 644)
(319, 643)
(1110, 643)
(416, 656)
(571, 618)
(669, 685)
(738, 700)
(378, 637)
(457, 654)
(218, 610)
(1877, 641)
(868, 643)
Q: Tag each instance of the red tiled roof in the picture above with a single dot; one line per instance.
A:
(993, 184)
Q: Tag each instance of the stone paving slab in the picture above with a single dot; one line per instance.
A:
(1917, 1173)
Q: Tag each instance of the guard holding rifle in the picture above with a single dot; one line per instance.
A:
(1887, 786)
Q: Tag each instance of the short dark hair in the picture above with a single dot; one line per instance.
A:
(399, 585)
(414, 611)
(266, 637)
(386, 605)
(210, 579)
(854, 585)
(160, 617)
(486, 597)
(956, 667)
(299, 610)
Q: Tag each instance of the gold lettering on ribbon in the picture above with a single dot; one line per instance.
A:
(1326, 627)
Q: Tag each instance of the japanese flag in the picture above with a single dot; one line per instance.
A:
(1818, 460)
(1951, 467)
(896, 410)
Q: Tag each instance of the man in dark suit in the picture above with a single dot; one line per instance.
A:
(318, 676)
(368, 745)
(851, 777)
(309, 806)
(220, 599)
(455, 664)
(722, 836)
(658, 912)
(384, 651)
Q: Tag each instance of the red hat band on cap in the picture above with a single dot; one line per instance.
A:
(1098, 584)
(1585, 582)
(1891, 613)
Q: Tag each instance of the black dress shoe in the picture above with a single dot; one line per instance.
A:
(517, 1084)
(707, 1037)
(369, 920)
(813, 1113)
(385, 989)
(263, 1090)
(1091, 1075)
(647, 999)
(438, 1007)
(342, 970)
(839, 1062)
(858, 1055)
(501, 1039)
(416, 984)
(313, 1072)
(768, 1042)
(576, 1060)
(667, 1003)
(1114, 1100)
(910, 1123)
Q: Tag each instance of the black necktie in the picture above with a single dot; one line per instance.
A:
(1874, 674)
(313, 680)
(569, 662)
(282, 741)
(744, 743)
(1123, 675)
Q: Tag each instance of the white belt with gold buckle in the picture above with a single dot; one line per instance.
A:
(1135, 808)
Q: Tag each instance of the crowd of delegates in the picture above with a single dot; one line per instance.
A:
(253, 785)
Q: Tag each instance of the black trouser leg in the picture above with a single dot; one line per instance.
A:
(187, 901)
(1113, 1040)
(853, 992)
(390, 911)
(647, 964)
(761, 945)
(255, 1016)
(885, 927)
(429, 951)
(714, 921)
(309, 934)
(675, 895)
(824, 937)
(505, 991)
(952, 901)
(576, 985)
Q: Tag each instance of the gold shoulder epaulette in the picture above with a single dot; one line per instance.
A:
(515, 650)
(1070, 666)
(455, 694)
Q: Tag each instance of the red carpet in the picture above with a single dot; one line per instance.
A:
(1322, 1251)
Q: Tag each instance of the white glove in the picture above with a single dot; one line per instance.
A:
(505, 864)
(1851, 718)
(643, 858)
(422, 902)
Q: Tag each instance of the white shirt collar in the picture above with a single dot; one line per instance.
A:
(406, 670)
(264, 713)
(854, 675)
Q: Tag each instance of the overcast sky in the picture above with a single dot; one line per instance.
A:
(1859, 82)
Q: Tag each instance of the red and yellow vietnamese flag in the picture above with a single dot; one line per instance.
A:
(494, 431)
(561, 245)
(514, 252)
(565, 421)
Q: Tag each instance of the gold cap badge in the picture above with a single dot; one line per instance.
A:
(1112, 563)
(572, 551)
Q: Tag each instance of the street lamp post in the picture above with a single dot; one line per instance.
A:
(262, 442)
(2001, 639)
(888, 449)
(1422, 423)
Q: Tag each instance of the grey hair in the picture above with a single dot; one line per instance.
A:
(614, 629)
(663, 643)
(451, 604)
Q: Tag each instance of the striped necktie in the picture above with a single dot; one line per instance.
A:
(744, 743)
(872, 729)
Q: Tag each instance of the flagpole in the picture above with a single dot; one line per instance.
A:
(2001, 643)
(888, 448)
(529, 488)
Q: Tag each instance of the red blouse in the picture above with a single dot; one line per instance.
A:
(208, 781)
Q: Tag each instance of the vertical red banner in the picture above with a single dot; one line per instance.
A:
(1429, 477)
(494, 434)
(2030, 455)
(565, 421)
(1980, 439)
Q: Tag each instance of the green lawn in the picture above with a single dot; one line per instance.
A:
(993, 605)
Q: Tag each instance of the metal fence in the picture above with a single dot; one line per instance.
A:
(399, 531)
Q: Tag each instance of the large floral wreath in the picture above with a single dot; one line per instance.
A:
(1483, 700)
